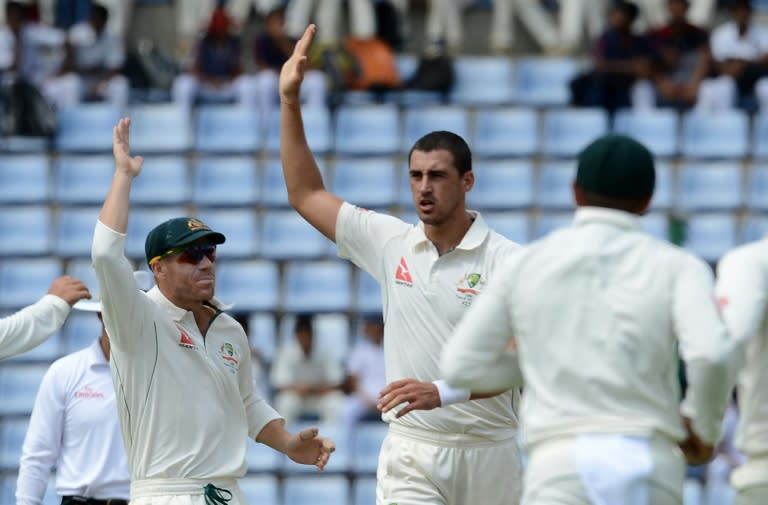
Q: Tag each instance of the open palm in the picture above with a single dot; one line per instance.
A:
(292, 72)
(121, 149)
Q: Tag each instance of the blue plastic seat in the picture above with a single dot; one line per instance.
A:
(512, 225)
(482, 80)
(227, 129)
(86, 127)
(709, 236)
(663, 192)
(164, 180)
(656, 224)
(505, 132)
(753, 228)
(18, 387)
(317, 286)
(554, 190)
(544, 82)
(721, 135)
(24, 178)
(240, 226)
(317, 490)
(80, 330)
(252, 285)
(423, 120)
(757, 194)
(261, 458)
(368, 438)
(261, 489)
(74, 230)
(710, 186)
(262, 332)
(332, 333)
(502, 185)
(368, 293)
(160, 128)
(546, 223)
(657, 129)
(317, 128)
(226, 181)
(12, 433)
(285, 234)
(760, 136)
(368, 182)
(567, 131)
(24, 281)
(274, 193)
(364, 491)
(83, 179)
(25, 231)
(367, 130)
(141, 221)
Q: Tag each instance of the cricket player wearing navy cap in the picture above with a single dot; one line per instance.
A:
(598, 310)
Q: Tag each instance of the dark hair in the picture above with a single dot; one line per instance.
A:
(741, 4)
(303, 323)
(99, 12)
(628, 9)
(633, 204)
(13, 6)
(446, 141)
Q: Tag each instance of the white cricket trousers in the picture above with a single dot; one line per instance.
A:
(750, 481)
(181, 491)
(420, 467)
(553, 474)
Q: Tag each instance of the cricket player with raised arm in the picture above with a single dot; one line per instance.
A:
(598, 311)
(465, 452)
(180, 365)
(742, 291)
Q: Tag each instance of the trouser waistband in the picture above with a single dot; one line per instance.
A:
(82, 500)
(160, 487)
(447, 439)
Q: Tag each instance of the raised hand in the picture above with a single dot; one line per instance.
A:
(292, 73)
(121, 149)
(69, 289)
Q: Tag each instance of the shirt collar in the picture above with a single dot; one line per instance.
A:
(473, 239)
(178, 313)
(620, 218)
(96, 355)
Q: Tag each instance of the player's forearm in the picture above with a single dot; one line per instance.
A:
(30, 326)
(709, 387)
(302, 175)
(274, 435)
(114, 212)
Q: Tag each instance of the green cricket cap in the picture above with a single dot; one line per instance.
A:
(617, 166)
(178, 232)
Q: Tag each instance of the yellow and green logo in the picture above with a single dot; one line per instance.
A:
(473, 279)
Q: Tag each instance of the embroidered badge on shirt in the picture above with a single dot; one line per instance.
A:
(403, 275)
(468, 287)
(185, 340)
(229, 356)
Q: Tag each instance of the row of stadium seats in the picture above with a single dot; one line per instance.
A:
(380, 182)
(370, 130)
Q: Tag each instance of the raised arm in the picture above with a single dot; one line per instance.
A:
(114, 212)
(306, 192)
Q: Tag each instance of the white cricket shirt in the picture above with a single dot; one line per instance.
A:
(742, 290)
(74, 427)
(30, 326)
(186, 402)
(598, 310)
(727, 43)
(424, 295)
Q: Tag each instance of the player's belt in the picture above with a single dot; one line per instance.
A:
(82, 500)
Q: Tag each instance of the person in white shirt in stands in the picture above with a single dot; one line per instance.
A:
(180, 365)
(307, 378)
(742, 291)
(597, 311)
(74, 427)
(92, 67)
(366, 375)
(32, 325)
(429, 275)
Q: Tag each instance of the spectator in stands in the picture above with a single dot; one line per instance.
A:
(366, 376)
(621, 60)
(32, 325)
(93, 64)
(272, 48)
(307, 378)
(682, 57)
(574, 16)
(217, 72)
(74, 427)
(362, 20)
(740, 53)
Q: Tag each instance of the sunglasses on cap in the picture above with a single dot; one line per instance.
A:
(189, 254)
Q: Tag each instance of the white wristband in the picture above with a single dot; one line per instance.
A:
(448, 395)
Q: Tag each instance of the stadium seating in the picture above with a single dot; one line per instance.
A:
(80, 331)
(483, 80)
(422, 120)
(724, 135)
(657, 129)
(226, 181)
(160, 128)
(568, 131)
(367, 294)
(505, 132)
(364, 491)
(285, 234)
(12, 433)
(18, 387)
(760, 136)
(261, 489)
(262, 333)
(544, 82)
(555, 183)
(229, 128)
(715, 186)
(546, 223)
(74, 231)
(24, 281)
(321, 286)
(317, 128)
(83, 179)
(368, 182)
(664, 190)
(502, 185)
(326, 490)
(512, 225)
(24, 179)
(331, 332)
(367, 130)
(26, 230)
(239, 226)
(164, 180)
(710, 235)
(261, 458)
(368, 437)
(757, 193)
(274, 193)
(252, 285)
(86, 128)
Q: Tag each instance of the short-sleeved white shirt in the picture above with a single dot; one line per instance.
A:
(424, 296)
(105, 50)
(292, 366)
(727, 43)
(366, 362)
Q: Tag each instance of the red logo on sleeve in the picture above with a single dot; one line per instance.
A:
(403, 275)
